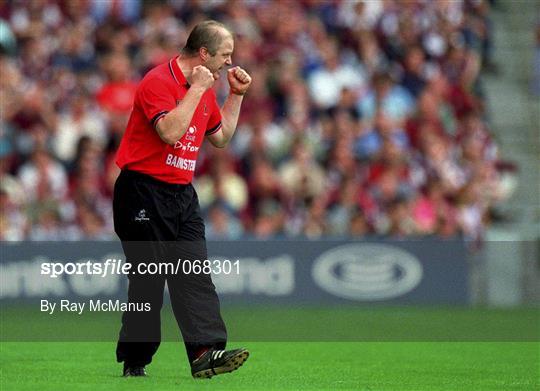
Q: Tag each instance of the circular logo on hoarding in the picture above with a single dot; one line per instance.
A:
(367, 271)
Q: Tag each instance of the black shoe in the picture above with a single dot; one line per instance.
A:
(216, 362)
(130, 371)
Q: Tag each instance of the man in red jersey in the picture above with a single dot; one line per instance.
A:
(156, 210)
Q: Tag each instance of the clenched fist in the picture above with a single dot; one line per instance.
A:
(239, 80)
(202, 77)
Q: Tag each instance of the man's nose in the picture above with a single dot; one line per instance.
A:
(228, 61)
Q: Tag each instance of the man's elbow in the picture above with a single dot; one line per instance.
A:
(220, 143)
(167, 139)
(219, 139)
(164, 134)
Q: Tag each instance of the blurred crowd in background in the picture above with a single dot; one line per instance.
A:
(364, 117)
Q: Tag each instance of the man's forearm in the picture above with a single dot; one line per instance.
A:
(229, 116)
(175, 123)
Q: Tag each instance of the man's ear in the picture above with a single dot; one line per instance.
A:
(203, 53)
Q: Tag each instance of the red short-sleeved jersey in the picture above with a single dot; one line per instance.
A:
(141, 148)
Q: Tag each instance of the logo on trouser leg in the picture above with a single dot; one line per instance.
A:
(142, 216)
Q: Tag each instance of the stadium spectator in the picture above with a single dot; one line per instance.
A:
(223, 185)
(43, 179)
(222, 224)
(327, 82)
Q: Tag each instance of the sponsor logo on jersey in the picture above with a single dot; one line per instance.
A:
(142, 216)
(186, 147)
(190, 134)
(179, 162)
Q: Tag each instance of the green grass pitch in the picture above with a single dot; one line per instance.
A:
(380, 349)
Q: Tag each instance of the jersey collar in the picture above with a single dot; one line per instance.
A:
(176, 73)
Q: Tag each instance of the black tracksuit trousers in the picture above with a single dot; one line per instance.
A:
(161, 222)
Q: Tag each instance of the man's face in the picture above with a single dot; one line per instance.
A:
(221, 58)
